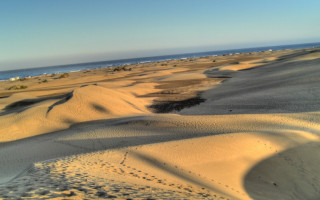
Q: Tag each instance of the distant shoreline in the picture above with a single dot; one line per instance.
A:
(32, 72)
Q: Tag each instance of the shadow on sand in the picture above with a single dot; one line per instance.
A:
(291, 174)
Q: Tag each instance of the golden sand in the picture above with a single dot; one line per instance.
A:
(94, 135)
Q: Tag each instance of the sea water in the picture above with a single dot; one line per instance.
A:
(5, 75)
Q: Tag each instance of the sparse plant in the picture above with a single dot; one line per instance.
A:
(17, 87)
(22, 79)
(122, 68)
(64, 75)
(117, 69)
(235, 63)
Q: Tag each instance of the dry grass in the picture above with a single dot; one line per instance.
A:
(17, 87)
(64, 75)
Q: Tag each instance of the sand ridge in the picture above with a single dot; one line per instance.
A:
(193, 169)
(91, 102)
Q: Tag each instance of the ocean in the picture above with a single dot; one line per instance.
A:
(5, 75)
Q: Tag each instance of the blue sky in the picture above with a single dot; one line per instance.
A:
(36, 33)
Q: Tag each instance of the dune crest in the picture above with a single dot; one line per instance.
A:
(82, 104)
(95, 102)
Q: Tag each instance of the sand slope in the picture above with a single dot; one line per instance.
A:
(217, 163)
(82, 104)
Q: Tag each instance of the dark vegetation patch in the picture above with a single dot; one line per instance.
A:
(235, 63)
(43, 81)
(22, 79)
(122, 68)
(18, 87)
(169, 106)
(64, 75)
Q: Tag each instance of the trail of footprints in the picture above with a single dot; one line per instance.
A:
(50, 180)
(46, 181)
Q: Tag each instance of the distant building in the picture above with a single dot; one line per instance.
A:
(15, 78)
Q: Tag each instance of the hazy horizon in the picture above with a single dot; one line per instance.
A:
(151, 54)
(47, 33)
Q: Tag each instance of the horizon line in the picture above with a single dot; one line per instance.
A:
(163, 55)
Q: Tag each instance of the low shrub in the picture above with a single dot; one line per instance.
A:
(64, 75)
(22, 79)
(17, 87)
(122, 68)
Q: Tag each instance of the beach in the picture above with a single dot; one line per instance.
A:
(235, 126)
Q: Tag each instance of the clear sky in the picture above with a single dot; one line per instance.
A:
(36, 33)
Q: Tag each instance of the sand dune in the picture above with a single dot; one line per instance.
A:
(246, 64)
(83, 104)
(256, 136)
(219, 162)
